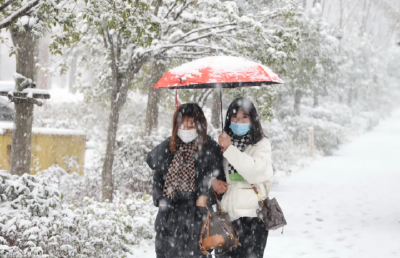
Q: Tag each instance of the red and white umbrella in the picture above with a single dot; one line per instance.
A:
(218, 72)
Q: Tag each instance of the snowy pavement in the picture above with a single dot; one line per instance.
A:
(343, 206)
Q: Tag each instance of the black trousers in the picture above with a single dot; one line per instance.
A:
(252, 239)
(178, 229)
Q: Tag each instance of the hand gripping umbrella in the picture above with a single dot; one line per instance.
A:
(218, 72)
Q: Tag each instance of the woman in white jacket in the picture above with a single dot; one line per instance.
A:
(247, 160)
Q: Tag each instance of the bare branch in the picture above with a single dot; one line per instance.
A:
(208, 92)
(205, 28)
(185, 5)
(170, 27)
(4, 6)
(203, 93)
(188, 58)
(135, 64)
(169, 11)
(104, 39)
(185, 45)
(19, 13)
(159, 3)
(209, 35)
(204, 36)
(351, 14)
(195, 53)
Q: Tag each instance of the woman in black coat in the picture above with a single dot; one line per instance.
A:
(183, 165)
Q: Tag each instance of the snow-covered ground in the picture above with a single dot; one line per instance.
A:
(345, 206)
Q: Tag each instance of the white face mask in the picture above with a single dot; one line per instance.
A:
(187, 135)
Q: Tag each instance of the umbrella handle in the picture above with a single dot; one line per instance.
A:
(176, 99)
(222, 118)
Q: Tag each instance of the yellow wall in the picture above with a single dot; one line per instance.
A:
(5, 149)
(67, 151)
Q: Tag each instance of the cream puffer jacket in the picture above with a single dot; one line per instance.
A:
(255, 165)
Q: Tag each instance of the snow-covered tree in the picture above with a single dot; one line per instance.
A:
(9, 15)
(27, 21)
(120, 37)
(271, 37)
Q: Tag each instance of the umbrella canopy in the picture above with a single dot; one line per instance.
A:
(218, 72)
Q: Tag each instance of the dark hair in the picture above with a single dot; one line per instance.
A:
(249, 109)
(194, 111)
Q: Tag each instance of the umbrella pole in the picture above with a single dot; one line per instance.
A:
(222, 118)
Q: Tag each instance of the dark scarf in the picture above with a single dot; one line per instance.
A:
(240, 142)
(180, 175)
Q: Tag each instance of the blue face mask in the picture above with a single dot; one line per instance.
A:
(239, 129)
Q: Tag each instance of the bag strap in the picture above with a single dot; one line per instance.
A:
(218, 203)
(258, 194)
(206, 224)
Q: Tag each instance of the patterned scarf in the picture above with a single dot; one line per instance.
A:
(241, 143)
(180, 175)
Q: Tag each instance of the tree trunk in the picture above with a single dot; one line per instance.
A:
(341, 16)
(365, 17)
(340, 98)
(323, 5)
(349, 97)
(107, 176)
(305, 4)
(153, 100)
(315, 99)
(118, 97)
(297, 101)
(152, 110)
(216, 109)
(355, 94)
(72, 74)
(21, 139)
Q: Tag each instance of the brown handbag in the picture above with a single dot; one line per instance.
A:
(218, 232)
(270, 212)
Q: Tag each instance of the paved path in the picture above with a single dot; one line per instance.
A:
(345, 205)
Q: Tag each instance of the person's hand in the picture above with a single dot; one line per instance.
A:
(162, 203)
(219, 186)
(224, 140)
(202, 201)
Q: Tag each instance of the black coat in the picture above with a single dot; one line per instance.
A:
(208, 164)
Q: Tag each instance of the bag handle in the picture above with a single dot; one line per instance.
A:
(258, 194)
(218, 203)
(206, 224)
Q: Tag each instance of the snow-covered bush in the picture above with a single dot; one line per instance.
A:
(326, 134)
(130, 170)
(72, 186)
(33, 223)
(27, 193)
(282, 145)
(327, 137)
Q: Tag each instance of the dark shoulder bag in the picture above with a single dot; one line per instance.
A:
(270, 212)
(218, 232)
